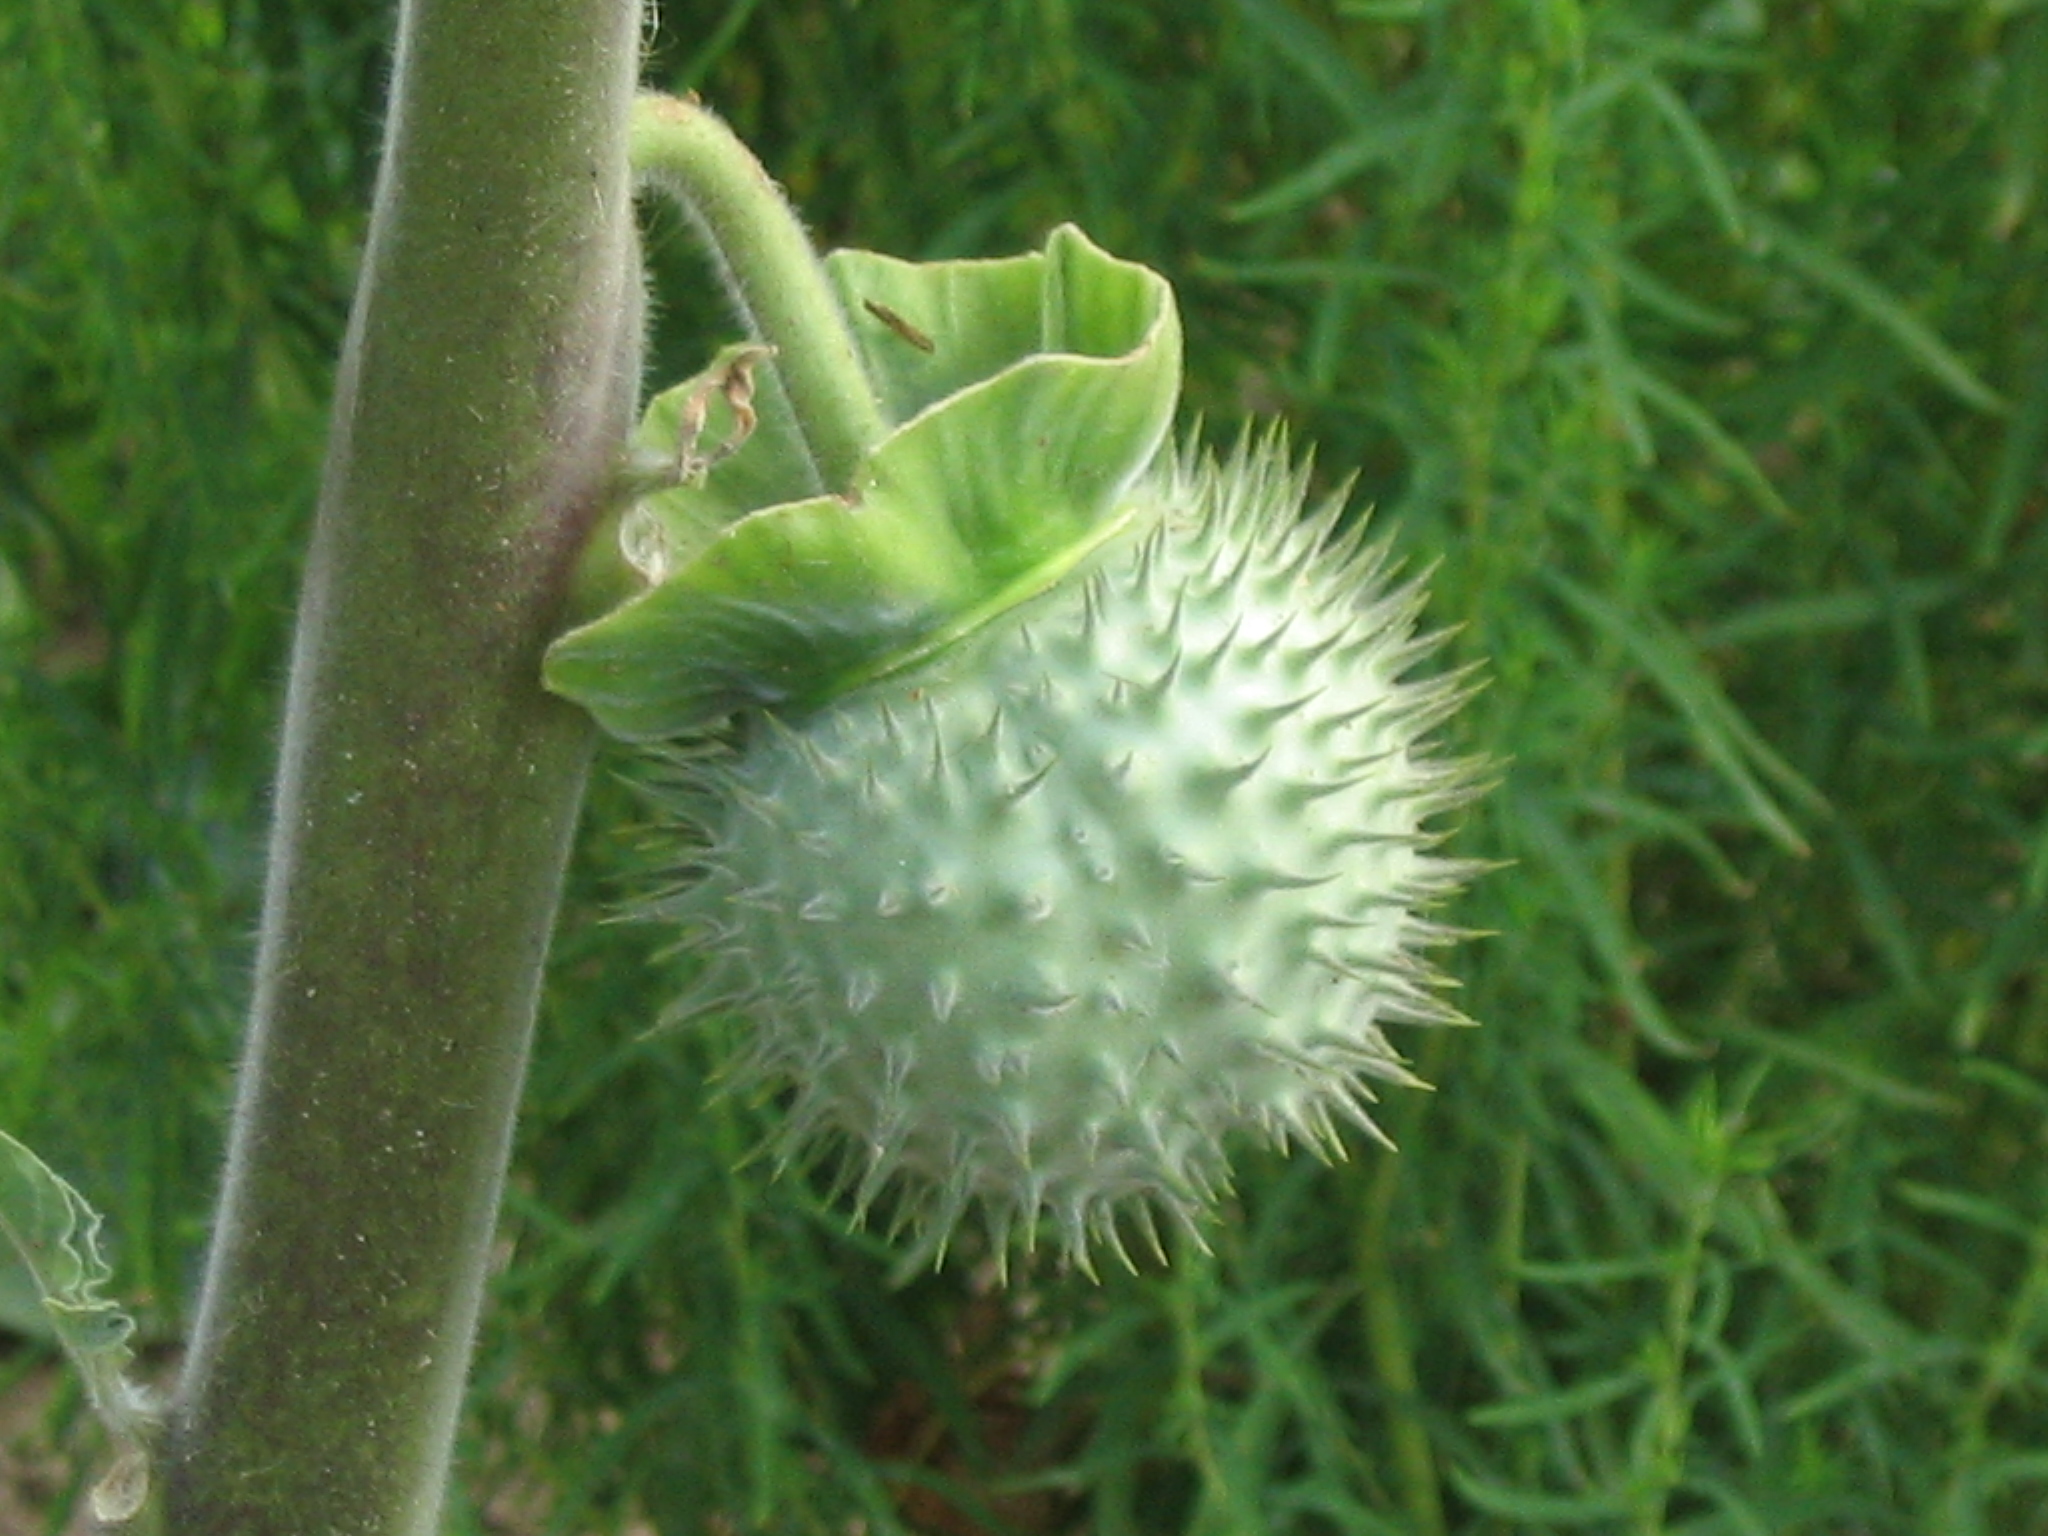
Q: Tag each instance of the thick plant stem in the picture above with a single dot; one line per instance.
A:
(427, 787)
(775, 280)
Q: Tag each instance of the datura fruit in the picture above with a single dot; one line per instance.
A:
(1054, 801)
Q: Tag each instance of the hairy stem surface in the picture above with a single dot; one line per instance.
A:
(427, 787)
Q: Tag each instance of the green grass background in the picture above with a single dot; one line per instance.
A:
(1702, 346)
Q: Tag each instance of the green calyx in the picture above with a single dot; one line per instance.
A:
(901, 452)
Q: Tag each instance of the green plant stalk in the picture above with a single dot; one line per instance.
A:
(1667, 1419)
(1389, 1337)
(774, 279)
(427, 788)
(2003, 1364)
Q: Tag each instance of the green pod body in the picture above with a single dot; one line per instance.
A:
(1032, 926)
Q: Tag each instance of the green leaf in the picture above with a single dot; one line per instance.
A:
(1713, 438)
(54, 1235)
(1645, 1135)
(2020, 453)
(1883, 309)
(1607, 929)
(1716, 183)
(1597, 1272)
(1562, 1405)
(1734, 748)
(1844, 1066)
(1037, 407)
(1537, 1507)
(1369, 145)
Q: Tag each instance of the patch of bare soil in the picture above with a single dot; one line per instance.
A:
(41, 1478)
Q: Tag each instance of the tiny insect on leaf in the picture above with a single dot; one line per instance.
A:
(900, 326)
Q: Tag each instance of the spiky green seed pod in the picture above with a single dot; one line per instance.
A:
(1055, 807)
(1036, 926)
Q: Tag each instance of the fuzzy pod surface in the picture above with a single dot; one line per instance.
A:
(1033, 927)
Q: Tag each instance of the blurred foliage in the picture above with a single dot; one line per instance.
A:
(1701, 345)
(181, 193)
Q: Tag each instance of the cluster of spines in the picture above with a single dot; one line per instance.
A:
(1241, 658)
